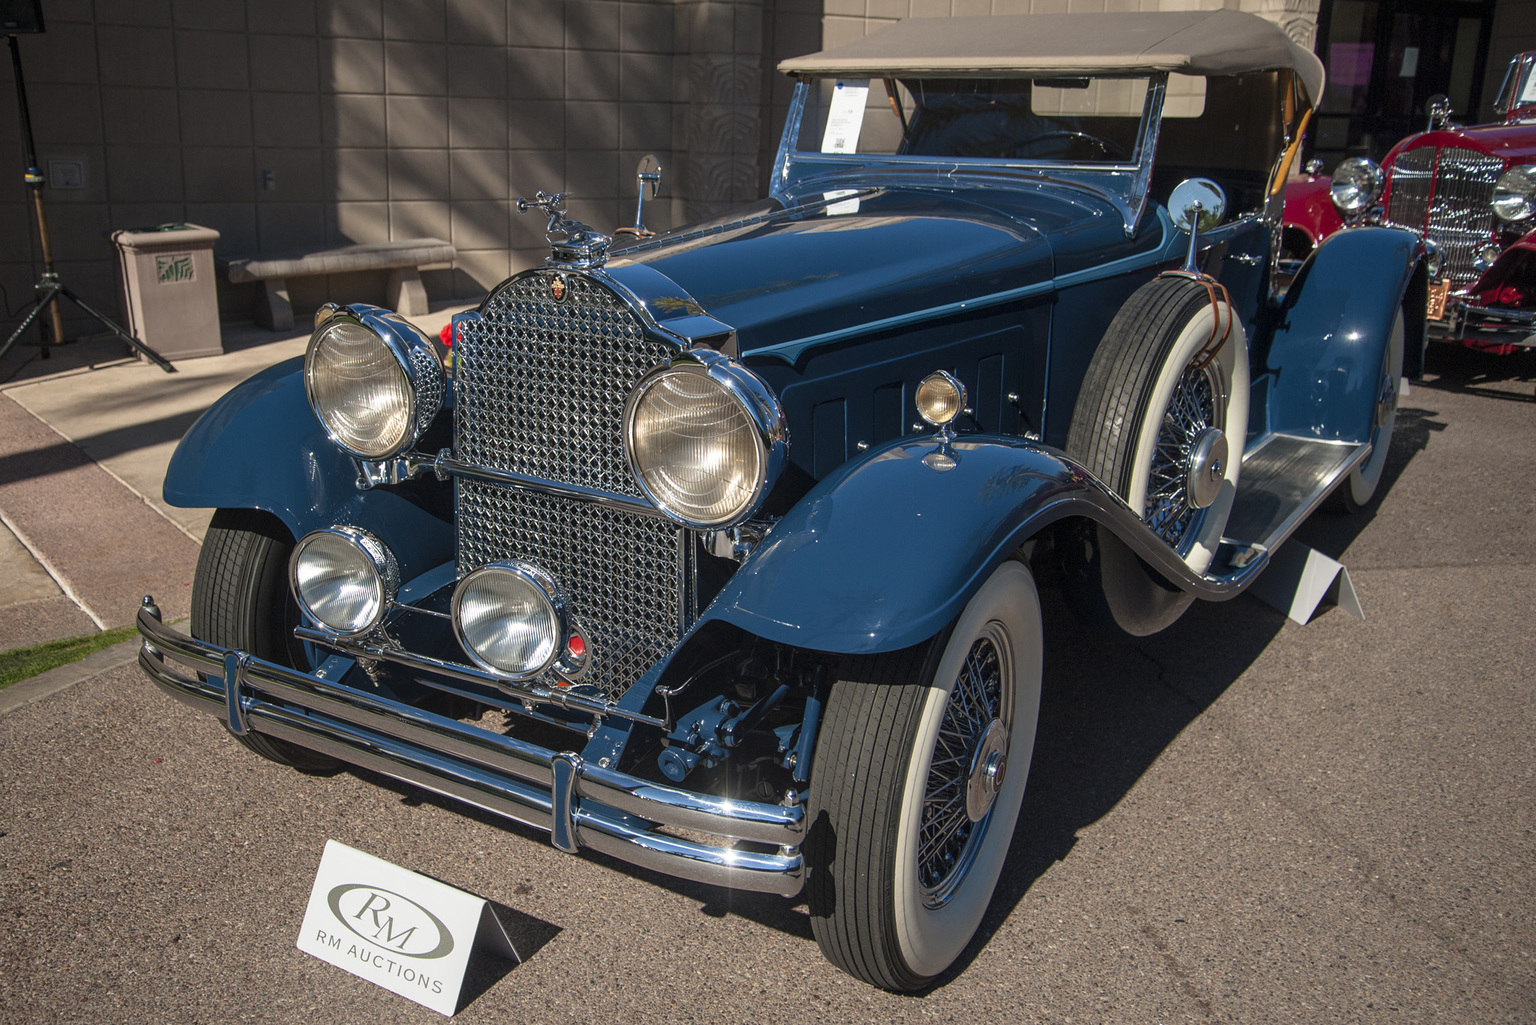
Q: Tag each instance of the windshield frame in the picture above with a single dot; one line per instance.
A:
(1123, 184)
(1507, 106)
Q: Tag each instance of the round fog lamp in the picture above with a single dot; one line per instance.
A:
(940, 398)
(344, 578)
(1486, 257)
(511, 619)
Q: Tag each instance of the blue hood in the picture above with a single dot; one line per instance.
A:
(775, 273)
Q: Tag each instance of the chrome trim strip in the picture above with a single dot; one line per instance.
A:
(558, 697)
(445, 465)
(605, 810)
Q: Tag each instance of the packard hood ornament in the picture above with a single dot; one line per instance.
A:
(571, 243)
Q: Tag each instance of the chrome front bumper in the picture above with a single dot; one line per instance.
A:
(1499, 326)
(581, 805)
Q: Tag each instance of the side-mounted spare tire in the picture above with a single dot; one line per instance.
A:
(1163, 411)
(240, 599)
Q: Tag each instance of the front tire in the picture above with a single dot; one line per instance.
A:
(1146, 410)
(240, 599)
(1356, 492)
(920, 768)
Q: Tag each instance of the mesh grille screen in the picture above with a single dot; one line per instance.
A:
(1449, 203)
(540, 390)
(541, 384)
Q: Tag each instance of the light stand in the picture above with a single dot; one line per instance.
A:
(49, 288)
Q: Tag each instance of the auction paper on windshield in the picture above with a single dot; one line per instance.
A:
(845, 116)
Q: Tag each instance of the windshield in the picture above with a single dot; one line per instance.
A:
(1097, 132)
(1075, 120)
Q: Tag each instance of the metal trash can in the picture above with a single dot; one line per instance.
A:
(169, 290)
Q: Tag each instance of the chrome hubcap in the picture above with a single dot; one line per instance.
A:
(988, 767)
(1386, 402)
(970, 763)
(1183, 453)
(1207, 467)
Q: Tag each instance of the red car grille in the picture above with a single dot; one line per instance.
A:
(1445, 194)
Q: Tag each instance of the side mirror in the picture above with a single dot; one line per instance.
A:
(647, 174)
(1197, 205)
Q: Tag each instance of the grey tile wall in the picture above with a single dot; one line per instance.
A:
(310, 123)
(290, 124)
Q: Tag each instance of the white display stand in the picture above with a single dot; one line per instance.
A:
(398, 929)
(1299, 580)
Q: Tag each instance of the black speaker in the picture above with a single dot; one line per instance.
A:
(18, 17)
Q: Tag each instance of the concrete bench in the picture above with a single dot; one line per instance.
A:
(403, 259)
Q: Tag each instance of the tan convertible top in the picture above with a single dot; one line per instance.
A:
(1190, 42)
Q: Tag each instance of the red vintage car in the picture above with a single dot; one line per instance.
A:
(1470, 192)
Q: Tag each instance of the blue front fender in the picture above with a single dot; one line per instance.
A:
(1331, 333)
(887, 550)
(260, 447)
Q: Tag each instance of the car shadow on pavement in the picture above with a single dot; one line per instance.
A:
(1108, 711)
(1455, 368)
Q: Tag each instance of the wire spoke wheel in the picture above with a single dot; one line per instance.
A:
(979, 710)
(1194, 408)
(920, 768)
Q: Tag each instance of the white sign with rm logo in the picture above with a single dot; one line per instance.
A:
(396, 928)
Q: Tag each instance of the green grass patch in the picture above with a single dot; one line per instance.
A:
(28, 662)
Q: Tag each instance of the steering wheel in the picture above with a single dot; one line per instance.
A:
(1106, 147)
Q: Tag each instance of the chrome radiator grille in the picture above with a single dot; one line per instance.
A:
(540, 386)
(1447, 200)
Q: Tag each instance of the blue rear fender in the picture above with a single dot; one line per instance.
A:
(1331, 331)
(260, 447)
(885, 552)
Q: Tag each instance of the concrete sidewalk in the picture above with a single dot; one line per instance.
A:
(85, 438)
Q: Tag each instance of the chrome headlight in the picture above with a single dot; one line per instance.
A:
(705, 439)
(344, 578)
(511, 619)
(1514, 195)
(373, 379)
(1356, 185)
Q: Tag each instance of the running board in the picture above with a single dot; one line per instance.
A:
(1283, 482)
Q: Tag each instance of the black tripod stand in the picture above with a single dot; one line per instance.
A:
(50, 289)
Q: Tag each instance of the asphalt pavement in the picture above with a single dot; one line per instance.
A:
(1241, 819)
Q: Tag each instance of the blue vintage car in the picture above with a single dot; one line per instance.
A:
(717, 550)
